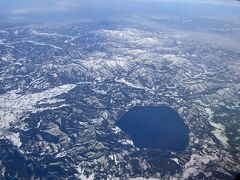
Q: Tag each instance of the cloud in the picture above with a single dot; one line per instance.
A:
(30, 6)
(45, 9)
(45, 6)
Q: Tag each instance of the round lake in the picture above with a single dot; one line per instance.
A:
(155, 127)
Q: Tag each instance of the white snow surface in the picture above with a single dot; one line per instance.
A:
(132, 36)
(193, 167)
(143, 178)
(82, 176)
(14, 106)
(137, 86)
(219, 133)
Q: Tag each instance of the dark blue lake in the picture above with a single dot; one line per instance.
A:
(155, 127)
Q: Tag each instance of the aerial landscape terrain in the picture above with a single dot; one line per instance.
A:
(130, 89)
